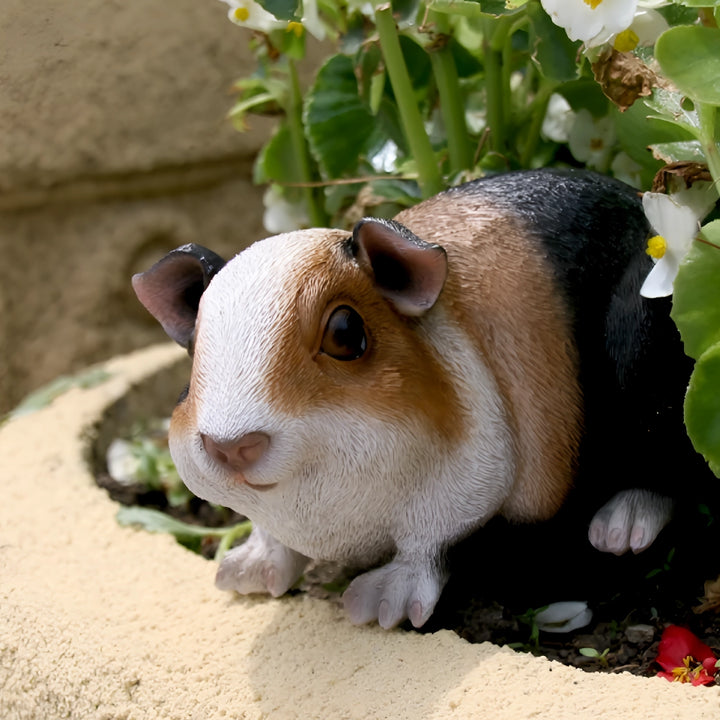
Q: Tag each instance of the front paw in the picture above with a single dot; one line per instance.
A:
(394, 592)
(260, 565)
(631, 520)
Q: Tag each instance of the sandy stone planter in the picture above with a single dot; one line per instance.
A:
(101, 621)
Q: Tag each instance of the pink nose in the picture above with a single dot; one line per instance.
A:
(240, 454)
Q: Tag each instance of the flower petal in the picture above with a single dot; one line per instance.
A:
(562, 617)
(676, 644)
(678, 224)
(659, 282)
(592, 25)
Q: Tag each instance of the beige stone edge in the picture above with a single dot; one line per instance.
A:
(99, 621)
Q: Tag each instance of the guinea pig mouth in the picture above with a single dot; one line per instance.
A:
(240, 479)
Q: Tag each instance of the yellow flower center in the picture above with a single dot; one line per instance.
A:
(626, 41)
(656, 247)
(295, 27)
(685, 673)
(592, 3)
(241, 14)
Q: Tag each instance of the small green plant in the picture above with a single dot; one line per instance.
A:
(191, 536)
(666, 566)
(529, 618)
(601, 657)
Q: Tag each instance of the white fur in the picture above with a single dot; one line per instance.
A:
(340, 484)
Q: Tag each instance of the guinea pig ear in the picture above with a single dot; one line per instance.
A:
(408, 271)
(172, 287)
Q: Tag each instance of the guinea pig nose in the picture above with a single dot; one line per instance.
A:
(238, 454)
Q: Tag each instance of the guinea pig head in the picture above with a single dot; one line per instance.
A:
(311, 384)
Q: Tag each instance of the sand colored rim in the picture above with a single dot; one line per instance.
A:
(100, 621)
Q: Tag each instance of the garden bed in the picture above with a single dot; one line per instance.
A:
(103, 621)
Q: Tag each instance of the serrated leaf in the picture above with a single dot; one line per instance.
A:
(553, 51)
(696, 294)
(689, 56)
(338, 123)
(702, 407)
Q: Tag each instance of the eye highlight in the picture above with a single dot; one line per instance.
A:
(344, 337)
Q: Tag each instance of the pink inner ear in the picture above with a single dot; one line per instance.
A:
(408, 271)
(170, 290)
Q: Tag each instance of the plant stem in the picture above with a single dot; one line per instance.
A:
(708, 120)
(451, 103)
(494, 35)
(538, 109)
(229, 535)
(314, 205)
(420, 147)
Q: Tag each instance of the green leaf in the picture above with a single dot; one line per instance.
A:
(689, 56)
(636, 131)
(589, 652)
(158, 522)
(696, 294)
(338, 123)
(688, 151)
(276, 160)
(282, 9)
(670, 108)
(585, 94)
(702, 407)
(476, 8)
(43, 396)
(554, 52)
(155, 521)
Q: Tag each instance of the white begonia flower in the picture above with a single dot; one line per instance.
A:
(558, 120)
(280, 214)
(311, 19)
(592, 21)
(591, 140)
(249, 14)
(645, 29)
(626, 169)
(562, 617)
(676, 227)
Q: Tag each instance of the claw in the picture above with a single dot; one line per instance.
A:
(394, 592)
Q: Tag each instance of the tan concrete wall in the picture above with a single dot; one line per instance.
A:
(114, 148)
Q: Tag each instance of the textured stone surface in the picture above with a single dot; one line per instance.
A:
(114, 149)
(98, 87)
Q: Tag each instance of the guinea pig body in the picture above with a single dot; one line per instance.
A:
(375, 397)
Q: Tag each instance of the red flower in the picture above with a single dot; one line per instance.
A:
(684, 658)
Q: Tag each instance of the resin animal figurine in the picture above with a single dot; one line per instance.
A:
(372, 397)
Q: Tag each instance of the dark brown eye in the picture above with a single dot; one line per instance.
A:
(344, 337)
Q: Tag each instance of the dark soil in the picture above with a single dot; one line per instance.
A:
(504, 573)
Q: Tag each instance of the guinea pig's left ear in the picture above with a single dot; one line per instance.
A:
(172, 287)
(408, 271)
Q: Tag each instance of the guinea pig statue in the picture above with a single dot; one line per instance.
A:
(373, 397)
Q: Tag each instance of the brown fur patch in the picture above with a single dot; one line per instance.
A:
(397, 378)
(500, 289)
